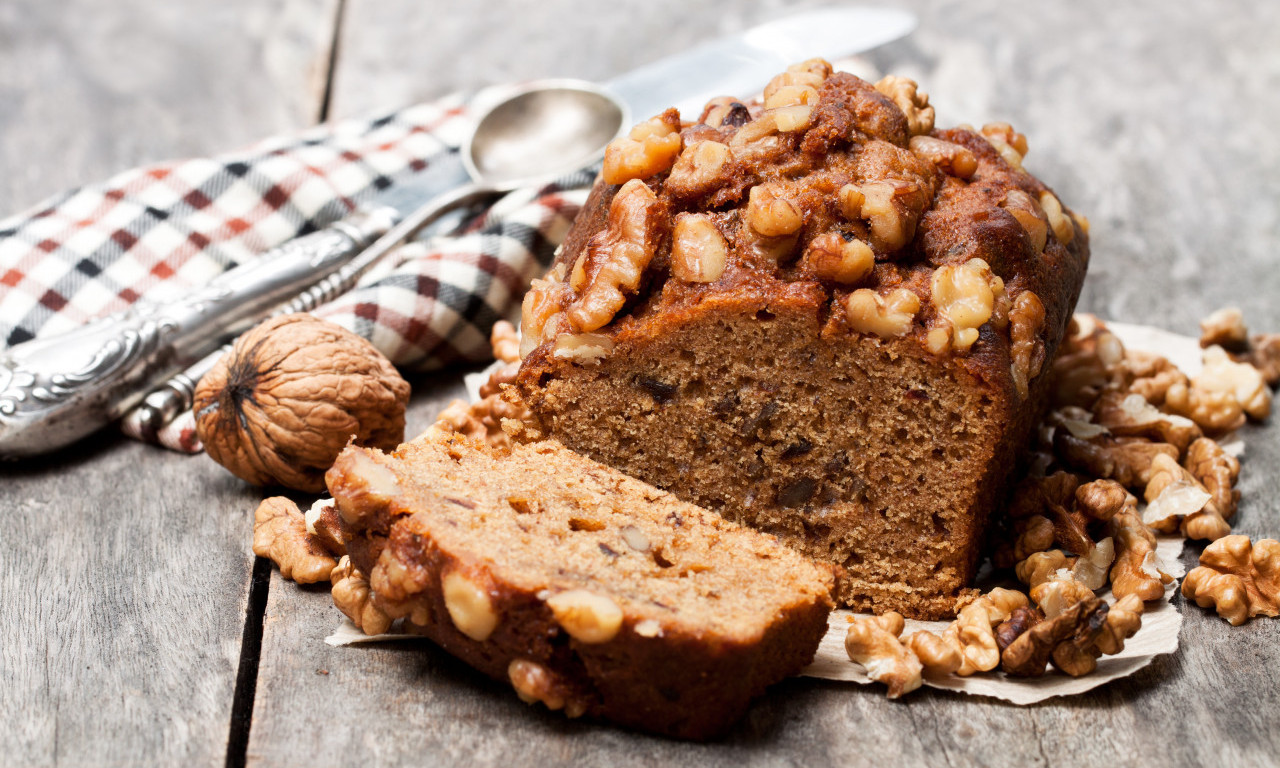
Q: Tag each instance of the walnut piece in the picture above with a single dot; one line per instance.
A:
(1176, 500)
(1026, 209)
(771, 213)
(1222, 394)
(505, 341)
(1019, 621)
(701, 168)
(541, 312)
(1225, 328)
(1030, 652)
(1011, 145)
(481, 420)
(1077, 655)
(698, 250)
(885, 316)
(1127, 460)
(1130, 415)
(1240, 578)
(1217, 471)
(616, 257)
(280, 534)
(936, 655)
(1026, 319)
(831, 257)
(586, 616)
(972, 632)
(535, 683)
(949, 157)
(965, 297)
(649, 149)
(1136, 570)
(279, 407)
(468, 605)
(913, 102)
(352, 596)
(872, 641)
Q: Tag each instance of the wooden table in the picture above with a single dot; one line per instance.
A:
(136, 627)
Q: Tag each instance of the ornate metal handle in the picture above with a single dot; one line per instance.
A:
(56, 390)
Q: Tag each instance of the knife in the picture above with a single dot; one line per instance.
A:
(59, 389)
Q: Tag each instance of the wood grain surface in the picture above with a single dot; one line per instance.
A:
(125, 570)
(125, 576)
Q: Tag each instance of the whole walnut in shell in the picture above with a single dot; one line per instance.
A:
(281, 405)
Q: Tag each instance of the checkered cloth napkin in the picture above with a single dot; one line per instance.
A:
(158, 232)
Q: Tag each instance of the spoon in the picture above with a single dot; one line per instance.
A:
(58, 389)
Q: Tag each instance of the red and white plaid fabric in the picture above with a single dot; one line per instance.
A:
(161, 231)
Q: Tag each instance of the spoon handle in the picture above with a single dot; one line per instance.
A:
(163, 404)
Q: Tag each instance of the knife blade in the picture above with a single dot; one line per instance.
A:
(57, 390)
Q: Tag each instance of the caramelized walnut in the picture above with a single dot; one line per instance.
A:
(616, 257)
(885, 316)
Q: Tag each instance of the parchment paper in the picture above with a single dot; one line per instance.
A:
(1161, 621)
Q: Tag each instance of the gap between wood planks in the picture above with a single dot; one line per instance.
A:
(260, 583)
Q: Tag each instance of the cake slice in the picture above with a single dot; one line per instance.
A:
(817, 316)
(584, 589)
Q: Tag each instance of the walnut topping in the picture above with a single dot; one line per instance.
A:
(701, 168)
(791, 95)
(352, 596)
(541, 317)
(582, 347)
(1026, 320)
(1058, 221)
(965, 298)
(831, 257)
(770, 213)
(535, 683)
(1011, 145)
(811, 73)
(698, 250)
(280, 534)
(1241, 579)
(891, 221)
(586, 616)
(1029, 214)
(948, 156)
(885, 316)
(617, 257)
(469, 606)
(1225, 328)
(650, 149)
(913, 102)
(872, 641)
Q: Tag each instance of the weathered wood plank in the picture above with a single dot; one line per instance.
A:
(1154, 121)
(90, 89)
(125, 568)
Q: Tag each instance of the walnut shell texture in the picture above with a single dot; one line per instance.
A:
(279, 407)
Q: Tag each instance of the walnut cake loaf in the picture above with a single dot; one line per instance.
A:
(818, 316)
(584, 589)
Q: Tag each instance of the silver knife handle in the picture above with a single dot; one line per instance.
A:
(57, 389)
